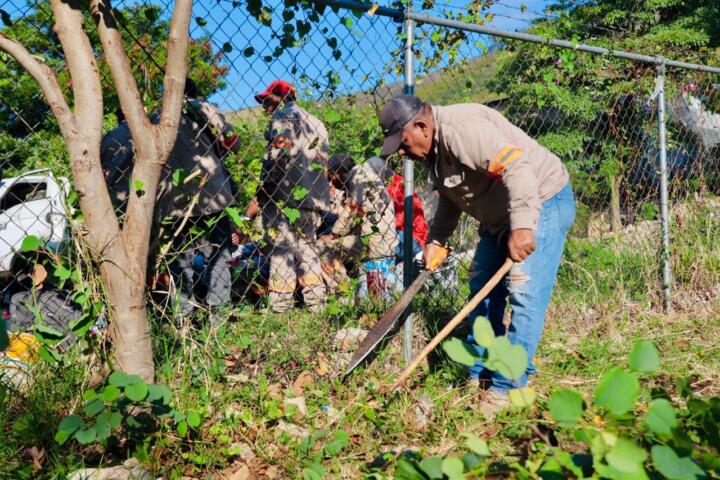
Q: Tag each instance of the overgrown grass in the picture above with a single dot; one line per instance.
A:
(239, 376)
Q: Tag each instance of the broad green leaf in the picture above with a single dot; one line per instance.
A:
(476, 444)
(94, 407)
(522, 397)
(114, 420)
(48, 334)
(483, 332)
(432, 467)
(82, 325)
(194, 419)
(460, 351)
(331, 116)
(661, 417)
(299, 193)
(110, 393)
(62, 436)
(49, 355)
(235, 216)
(102, 426)
(673, 467)
(617, 391)
(566, 407)
(227, 47)
(313, 471)
(71, 424)
(627, 457)
(453, 467)
(30, 243)
(136, 392)
(249, 52)
(408, 469)
(292, 214)
(159, 392)
(86, 436)
(644, 357)
(509, 360)
(139, 186)
(179, 175)
(182, 428)
(119, 379)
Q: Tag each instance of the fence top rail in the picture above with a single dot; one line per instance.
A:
(399, 15)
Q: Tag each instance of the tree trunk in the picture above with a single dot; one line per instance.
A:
(615, 220)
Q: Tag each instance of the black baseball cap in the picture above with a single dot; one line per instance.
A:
(394, 116)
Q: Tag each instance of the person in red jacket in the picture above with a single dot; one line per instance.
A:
(396, 190)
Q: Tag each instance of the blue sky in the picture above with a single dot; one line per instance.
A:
(366, 45)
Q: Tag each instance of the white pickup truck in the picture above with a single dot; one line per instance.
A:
(31, 204)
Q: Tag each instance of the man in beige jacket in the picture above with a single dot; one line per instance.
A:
(520, 193)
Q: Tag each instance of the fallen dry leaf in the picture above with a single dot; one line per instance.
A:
(305, 378)
(243, 473)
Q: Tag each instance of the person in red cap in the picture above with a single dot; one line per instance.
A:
(292, 196)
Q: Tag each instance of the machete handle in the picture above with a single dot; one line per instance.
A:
(466, 310)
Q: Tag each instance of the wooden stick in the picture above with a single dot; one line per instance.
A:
(469, 307)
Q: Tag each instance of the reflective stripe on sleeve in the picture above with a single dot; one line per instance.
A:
(503, 159)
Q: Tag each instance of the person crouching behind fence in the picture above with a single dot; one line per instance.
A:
(293, 195)
(519, 192)
(365, 230)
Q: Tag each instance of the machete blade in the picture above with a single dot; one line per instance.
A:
(387, 322)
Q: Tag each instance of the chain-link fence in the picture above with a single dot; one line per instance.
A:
(274, 196)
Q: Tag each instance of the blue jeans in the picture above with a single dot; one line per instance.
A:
(528, 285)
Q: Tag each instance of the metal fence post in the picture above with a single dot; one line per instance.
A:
(408, 178)
(664, 213)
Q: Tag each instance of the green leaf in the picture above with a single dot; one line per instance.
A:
(178, 177)
(348, 22)
(62, 436)
(522, 397)
(460, 351)
(617, 391)
(119, 379)
(136, 392)
(227, 47)
(48, 334)
(476, 444)
(644, 357)
(30, 243)
(194, 419)
(102, 427)
(82, 325)
(249, 52)
(432, 467)
(110, 393)
(86, 436)
(299, 193)
(139, 186)
(453, 467)
(71, 424)
(627, 457)
(509, 360)
(292, 214)
(235, 216)
(94, 407)
(182, 428)
(49, 354)
(159, 392)
(673, 467)
(566, 407)
(114, 420)
(331, 116)
(661, 417)
(201, 21)
(483, 332)
(313, 471)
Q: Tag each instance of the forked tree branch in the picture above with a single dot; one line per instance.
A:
(81, 63)
(125, 84)
(47, 80)
(175, 75)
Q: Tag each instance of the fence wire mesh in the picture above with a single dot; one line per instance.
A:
(279, 204)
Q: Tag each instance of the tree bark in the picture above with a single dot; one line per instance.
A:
(121, 254)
